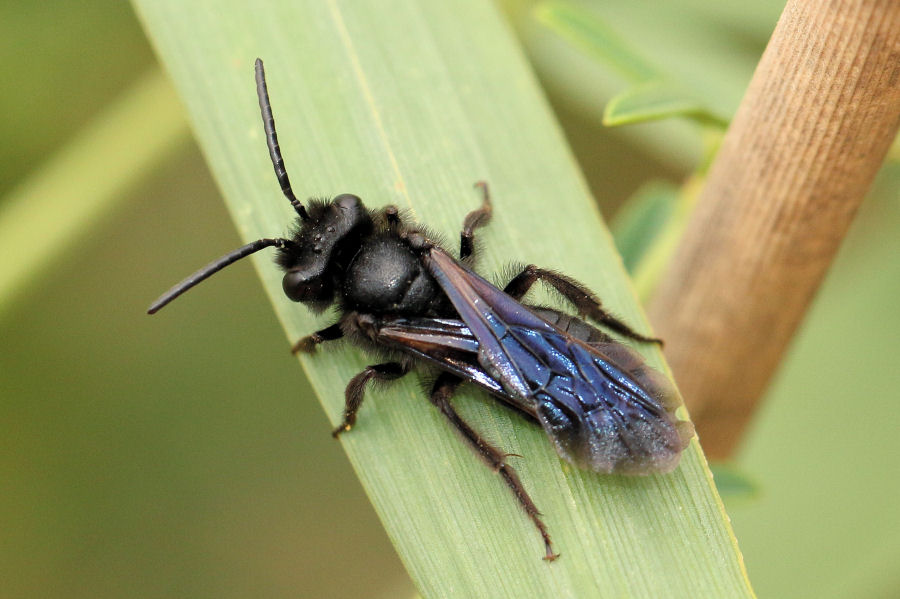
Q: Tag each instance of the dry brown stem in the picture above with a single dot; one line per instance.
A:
(804, 146)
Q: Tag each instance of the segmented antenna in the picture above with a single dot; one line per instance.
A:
(265, 108)
(214, 267)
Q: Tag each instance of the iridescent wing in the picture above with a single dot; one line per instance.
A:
(602, 408)
(445, 343)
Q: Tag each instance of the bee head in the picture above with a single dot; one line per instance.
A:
(321, 247)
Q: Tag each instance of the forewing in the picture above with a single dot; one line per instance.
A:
(600, 405)
(445, 343)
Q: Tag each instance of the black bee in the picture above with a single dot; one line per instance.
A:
(404, 298)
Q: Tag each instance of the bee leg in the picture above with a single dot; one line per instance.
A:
(308, 344)
(443, 390)
(356, 388)
(580, 296)
(476, 218)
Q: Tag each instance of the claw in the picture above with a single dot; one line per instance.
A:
(306, 345)
(341, 429)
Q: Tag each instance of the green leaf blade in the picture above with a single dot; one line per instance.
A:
(586, 30)
(641, 220)
(655, 100)
(410, 104)
(83, 182)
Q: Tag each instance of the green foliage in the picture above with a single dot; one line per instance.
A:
(655, 100)
(182, 455)
(648, 227)
(817, 446)
(651, 95)
(733, 484)
(83, 183)
(641, 221)
(410, 105)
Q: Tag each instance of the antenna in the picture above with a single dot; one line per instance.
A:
(214, 267)
(272, 140)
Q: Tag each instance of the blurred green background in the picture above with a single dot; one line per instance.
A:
(185, 456)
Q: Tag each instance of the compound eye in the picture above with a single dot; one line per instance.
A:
(302, 288)
(347, 201)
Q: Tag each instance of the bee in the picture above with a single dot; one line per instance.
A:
(404, 298)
